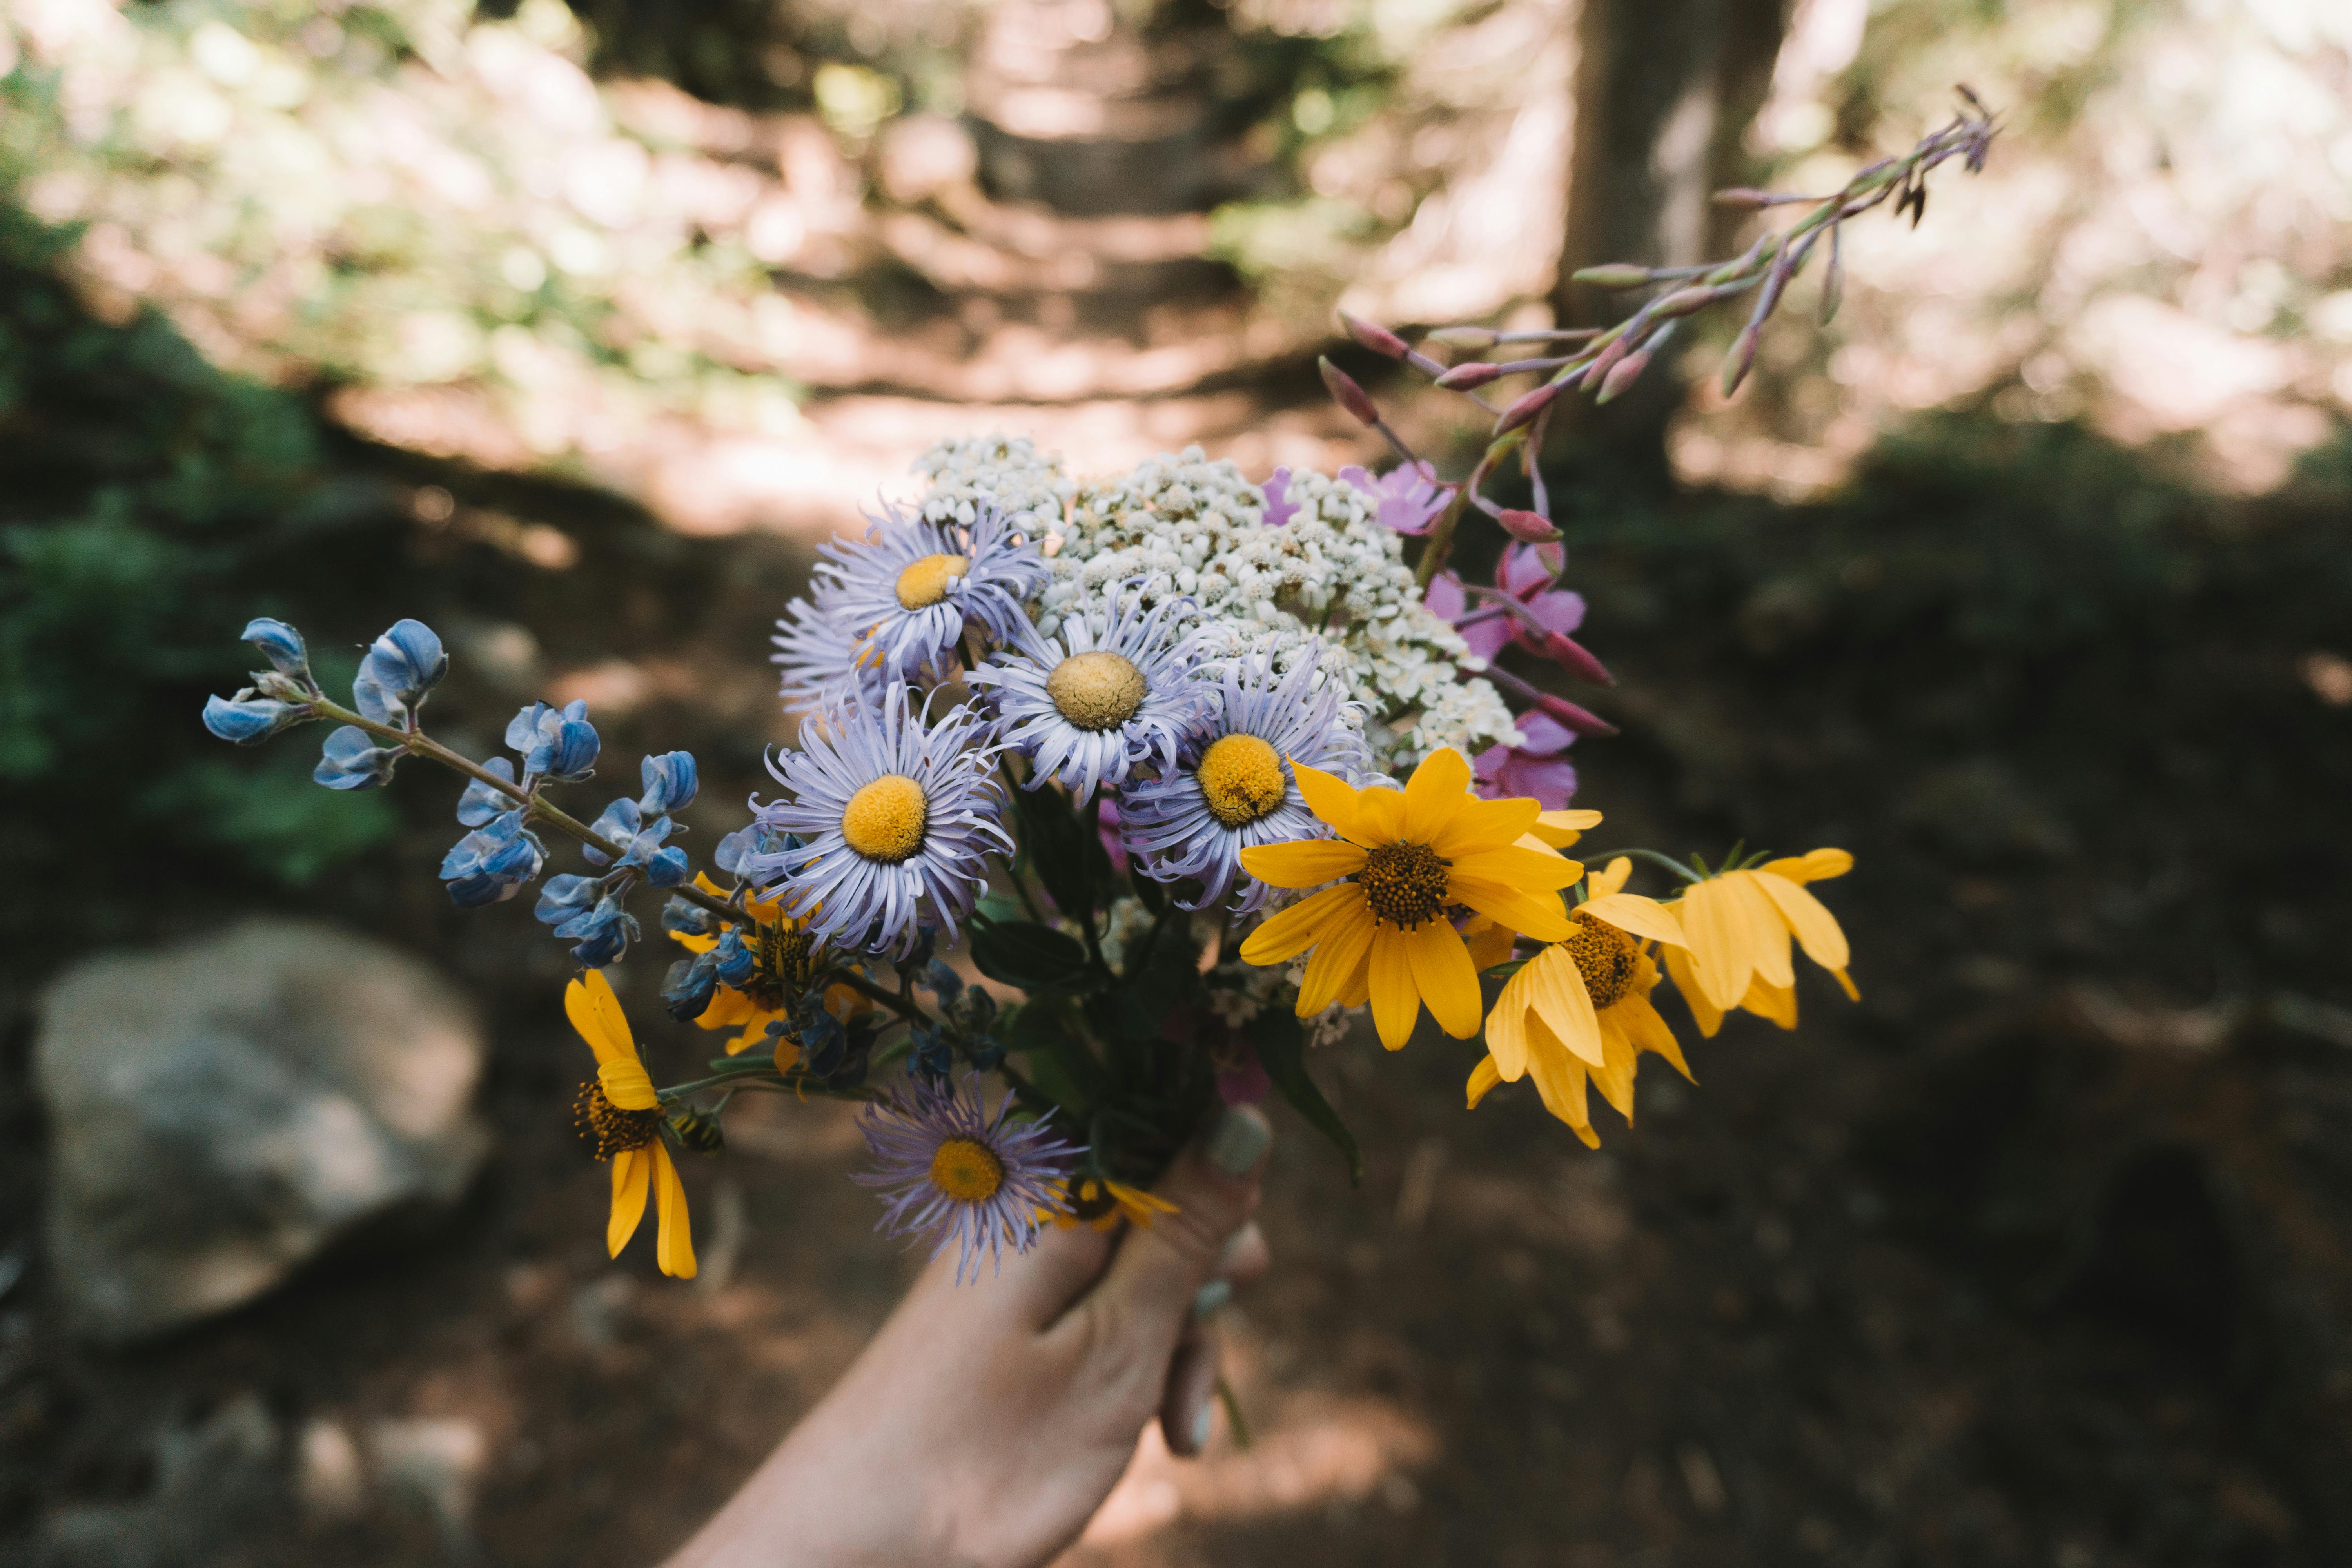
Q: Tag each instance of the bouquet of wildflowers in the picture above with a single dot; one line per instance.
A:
(1195, 771)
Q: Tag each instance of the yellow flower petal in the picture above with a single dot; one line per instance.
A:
(1305, 863)
(627, 1084)
(1437, 791)
(1723, 948)
(1488, 824)
(1489, 941)
(632, 1172)
(729, 1008)
(1507, 1025)
(1380, 817)
(1777, 1003)
(1442, 974)
(1560, 1003)
(1633, 913)
(693, 942)
(1614, 1076)
(1562, 829)
(1813, 865)
(1611, 877)
(1345, 941)
(1559, 1081)
(1538, 915)
(1853, 992)
(1685, 974)
(596, 1012)
(1483, 1077)
(1768, 931)
(1816, 930)
(1289, 932)
(1328, 795)
(1396, 1007)
(1518, 868)
(1649, 1032)
(674, 1242)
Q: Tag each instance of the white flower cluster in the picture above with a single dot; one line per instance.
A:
(1331, 576)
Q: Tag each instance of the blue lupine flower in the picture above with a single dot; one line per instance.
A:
(904, 593)
(557, 743)
(1233, 787)
(686, 919)
(601, 934)
(941, 980)
(671, 782)
(619, 821)
(929, 1053)
(400, 667)
(352, 759)
(897, 818)
(565, 896)
(734, 959)
(250, 719)
(490, 865)
(667, 868)
(280, 644)
(480, 802)
(1108, 693)
(689, 986)
(824, 1047)
(734, 850)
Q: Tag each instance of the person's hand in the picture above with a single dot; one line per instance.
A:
(986, 1421)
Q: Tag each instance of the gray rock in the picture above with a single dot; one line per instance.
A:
(223, 1111)
(213, 1480)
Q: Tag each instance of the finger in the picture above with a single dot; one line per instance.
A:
(1188, 1410)
(1040, 1285)
(1246, 1255)
(1215, 1187)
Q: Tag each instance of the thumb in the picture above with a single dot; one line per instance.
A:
(1215, 1187)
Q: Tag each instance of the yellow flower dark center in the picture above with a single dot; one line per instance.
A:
(606, 1127)
(967, 1170)
(1096, 691)
(1404, 884)
(780, 966)
(1091, 1200)
(1240, 779)
(925, 583)
(1605, 956)
(884, 820)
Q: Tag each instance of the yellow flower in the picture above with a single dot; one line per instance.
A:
(784, 955)
(1738, 927)
(620, 1114)
(1581, 1008)
(1103, 1203)
(1408, 857)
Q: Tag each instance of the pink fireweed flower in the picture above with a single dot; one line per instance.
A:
(1410, 496)
(1279, 507)
(1535, 768)
(1526, 573)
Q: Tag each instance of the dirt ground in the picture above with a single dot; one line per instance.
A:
(2037, 1256)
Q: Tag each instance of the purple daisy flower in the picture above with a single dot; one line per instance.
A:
(908, 590)
(894, 821)
(1233, 788)
(819, 663)
(959, 1176)
(1106, 693)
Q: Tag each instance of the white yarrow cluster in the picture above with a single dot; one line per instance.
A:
(1331, 578)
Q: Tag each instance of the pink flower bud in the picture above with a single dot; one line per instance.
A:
(1681, 302)
(1573, 656)
(1616, 275)
(1744, 197)
(1583, 721)
(1378, 339)
(1623, 374)
(1471, 338)
(1532, 527)
(1742, 357)
(1462, 377)
(1527, 408)
(1347, 393)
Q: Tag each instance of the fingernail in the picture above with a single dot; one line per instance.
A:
(1210, 1297)
(1201, 1421)
(1237, 1141)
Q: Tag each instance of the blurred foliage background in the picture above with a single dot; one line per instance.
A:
(571, 328)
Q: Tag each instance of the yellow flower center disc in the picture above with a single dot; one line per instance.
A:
(884, 821)
(1605, 956)
(967, 1170)
(606, 1127)
(1096, 691)
(1404, 884)
(1241, 778)
(925, 583)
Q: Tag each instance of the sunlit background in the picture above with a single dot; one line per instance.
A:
(572, 328)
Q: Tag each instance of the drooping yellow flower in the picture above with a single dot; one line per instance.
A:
(1738, 927)
(621, 1115)
(1103, 1203)
(1403, 860)
(1581, 1008)
(784, 956)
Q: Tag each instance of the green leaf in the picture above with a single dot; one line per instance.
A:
(1031, 956)
(1057, 1060)
(1067, 858)
(1282, 1051)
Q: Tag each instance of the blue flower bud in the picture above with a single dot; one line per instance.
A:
(400, 667)
(556, 743)
(603, 934)
(280, 644)
(671, 782)
(825, 1049)
(522, 729)
(248, 720)
(618, 823)
(930, 1055)
(667, 868)
(943, 981)
(690, 920)
(690, 985)
(986, 1053)
(480, 802)
(727, 855)
(352, 759)
(571, 755)
(736, 963)
(490, 865)
(564, 897)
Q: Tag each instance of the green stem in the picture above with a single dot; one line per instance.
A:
(1655, 858)
(866, 988)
